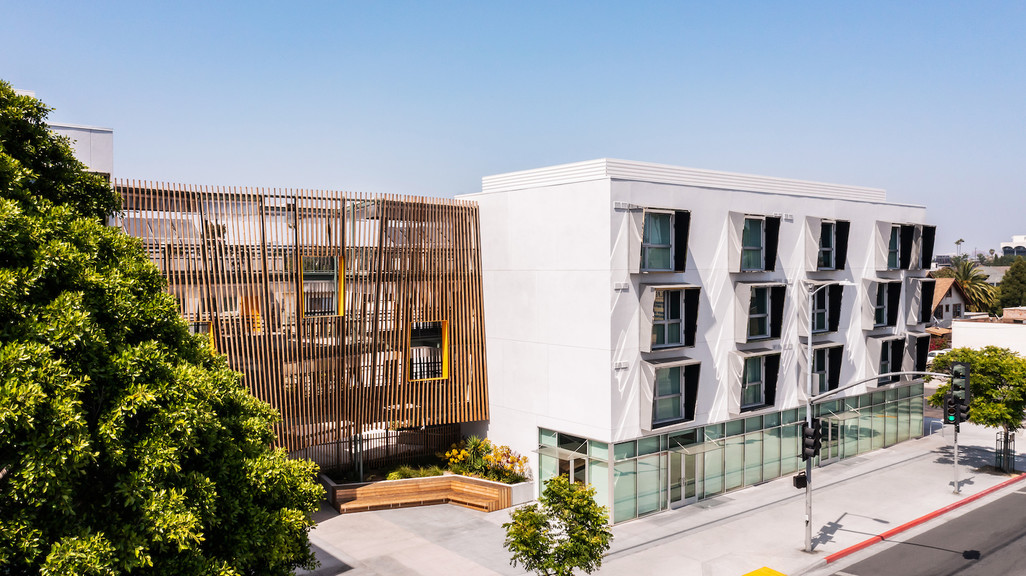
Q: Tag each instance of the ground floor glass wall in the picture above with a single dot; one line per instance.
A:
(679, 467)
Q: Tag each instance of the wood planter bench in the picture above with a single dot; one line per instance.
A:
(474, 493)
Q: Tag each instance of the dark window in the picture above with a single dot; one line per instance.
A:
(827, 246)
(826, 368)
(841, 260)
(322, 286)
(429, 350)
(926, 249)
(926, 304)
(890, 360)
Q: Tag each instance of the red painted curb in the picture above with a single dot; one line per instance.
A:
(884, 536)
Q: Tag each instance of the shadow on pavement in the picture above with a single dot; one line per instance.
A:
(330, 566)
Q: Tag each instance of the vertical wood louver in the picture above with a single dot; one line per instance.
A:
(313, 295)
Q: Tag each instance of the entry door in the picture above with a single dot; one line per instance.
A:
(831, 450)
(684, 469)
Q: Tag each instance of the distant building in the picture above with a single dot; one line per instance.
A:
(942, 260)
(994, 274)
(1017, 247)
(949, 302)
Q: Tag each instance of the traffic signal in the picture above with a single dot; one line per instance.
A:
(960, 389)
(950, 409)
(812, 439)
(963, 412)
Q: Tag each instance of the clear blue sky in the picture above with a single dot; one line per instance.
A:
(927, 99)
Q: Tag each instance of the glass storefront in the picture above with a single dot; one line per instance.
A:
(653, 473)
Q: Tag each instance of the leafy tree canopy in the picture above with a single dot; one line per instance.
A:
(997, 381)
(125, 444)
(565, 531)
(1013, 285)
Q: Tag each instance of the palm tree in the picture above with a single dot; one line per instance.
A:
(973, 282)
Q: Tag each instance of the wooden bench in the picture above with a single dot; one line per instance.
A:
(474, 493)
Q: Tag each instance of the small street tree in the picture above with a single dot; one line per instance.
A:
(565, 531)
(126, 445)
(1013, 285)
(998, 384)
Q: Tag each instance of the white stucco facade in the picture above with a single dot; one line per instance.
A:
(977, 334)
(93, 146)
(568, 306)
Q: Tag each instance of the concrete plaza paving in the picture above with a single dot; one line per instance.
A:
(727, 535)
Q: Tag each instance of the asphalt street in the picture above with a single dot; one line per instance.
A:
(987, 541)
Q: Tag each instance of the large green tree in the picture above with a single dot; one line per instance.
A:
(1013, 285)
(565, 531)
(125, 444)
(997, 384)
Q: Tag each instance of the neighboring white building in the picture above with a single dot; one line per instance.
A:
(92, 145)
(1008, 332)
(646, 324)
(1017, 247)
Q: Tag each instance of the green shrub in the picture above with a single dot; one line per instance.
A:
(409, 472)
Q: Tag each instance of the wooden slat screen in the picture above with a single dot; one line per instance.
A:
(312, 295)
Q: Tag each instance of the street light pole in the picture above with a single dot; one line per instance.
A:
(808, 411)
(808, 421)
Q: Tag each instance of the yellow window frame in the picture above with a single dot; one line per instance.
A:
(445, 349)
(340, 271)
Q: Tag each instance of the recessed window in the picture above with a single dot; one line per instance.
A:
(880, 308)
(666, 319)
(890, 360)
(956, 311)
(821, 311)
(760, 311)
(759, 314)
(322, 286)
(429, 351)
(885, 297)
(657, 241)
(826, 368)
(753, 391)
(827, 246)
(669, 316)
(894, 249)
(753, 242)
(664, 240)
(676, 389)
(669, 401)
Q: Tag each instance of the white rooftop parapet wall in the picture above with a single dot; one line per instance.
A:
(606, 168)
(93, 146)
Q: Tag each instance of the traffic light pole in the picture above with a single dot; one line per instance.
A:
(958, 489)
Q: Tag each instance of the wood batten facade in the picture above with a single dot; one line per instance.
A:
(359, 317)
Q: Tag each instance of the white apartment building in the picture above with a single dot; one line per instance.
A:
(647, 324)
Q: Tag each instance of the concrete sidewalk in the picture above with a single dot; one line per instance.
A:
(728, 535)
